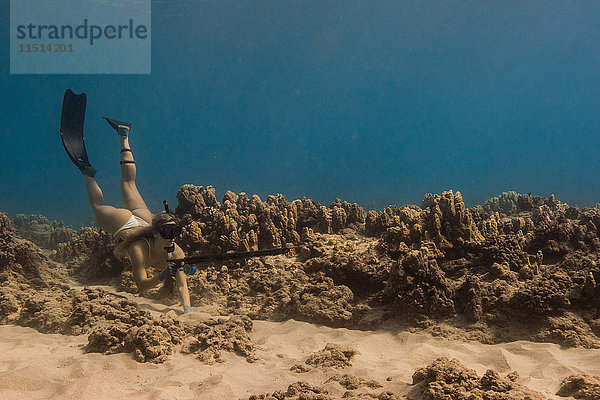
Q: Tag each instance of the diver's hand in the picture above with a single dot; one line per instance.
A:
(170, 270)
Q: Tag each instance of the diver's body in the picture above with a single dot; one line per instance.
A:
(146, 239)
(154, 251)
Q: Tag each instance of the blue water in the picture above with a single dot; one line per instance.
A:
(375, 102)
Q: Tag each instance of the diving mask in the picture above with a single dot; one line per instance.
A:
(170, 231)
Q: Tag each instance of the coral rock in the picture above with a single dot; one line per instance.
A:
(583, 387)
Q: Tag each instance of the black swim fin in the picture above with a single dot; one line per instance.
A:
(115, 125)
(71, 131)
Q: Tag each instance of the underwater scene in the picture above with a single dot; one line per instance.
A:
(302, 200)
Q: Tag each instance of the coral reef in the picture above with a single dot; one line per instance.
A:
(210, 338)
(41, 231)
(518, 267)
(34, 294)
(89, 256)
(507, 203)
(24, 270)
(442, 267)
(352, 382)
(21, 261)
(275, 288)
(297, 390)
(449, 379)
(583, 387)
(333, 356)
(302, 390)
(243, 223)
(419, 287)
(443, 379)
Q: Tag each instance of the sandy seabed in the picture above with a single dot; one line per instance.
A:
(52, 366)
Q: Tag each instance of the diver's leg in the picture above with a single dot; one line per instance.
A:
(131, 197)
(109, 218)
(182, 289)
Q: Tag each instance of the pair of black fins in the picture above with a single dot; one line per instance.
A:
(71, 130)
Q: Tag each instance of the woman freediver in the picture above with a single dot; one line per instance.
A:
(147, 240)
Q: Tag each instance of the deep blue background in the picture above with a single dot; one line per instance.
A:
(375, 102)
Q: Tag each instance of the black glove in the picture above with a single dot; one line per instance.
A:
(170, 270)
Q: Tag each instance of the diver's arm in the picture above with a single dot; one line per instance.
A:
(182, 288)
(138, 254)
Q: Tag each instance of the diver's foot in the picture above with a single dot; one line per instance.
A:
(88, 170)
(121, 127)
(123, 130)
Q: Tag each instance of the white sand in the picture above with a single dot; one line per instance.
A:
(40, 366)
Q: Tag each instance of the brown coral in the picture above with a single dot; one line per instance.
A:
(333, 355)
(580, 387)
(445, 379)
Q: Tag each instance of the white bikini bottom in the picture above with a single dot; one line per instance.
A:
(132, 222)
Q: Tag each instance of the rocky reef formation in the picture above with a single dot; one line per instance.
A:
(41, 231)
(24, 269)
(334, 385)
(441, 380)
(456, 271)
(33, 293)
(583, 387)
(518, 267)
(297, 390)
(332, 356)
(449, 379)
(538, 263)
(89, 256)
(244, 223)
